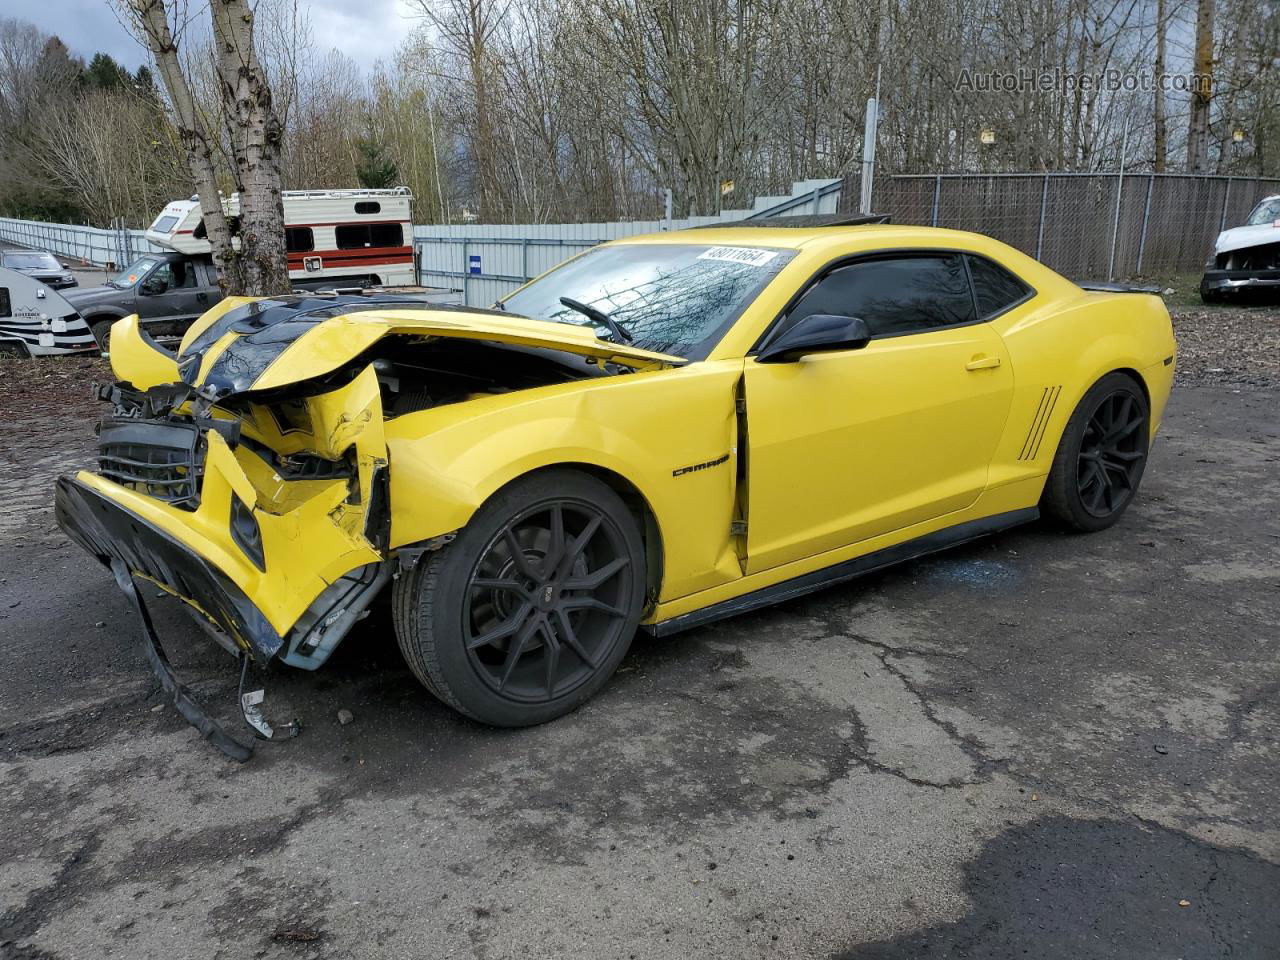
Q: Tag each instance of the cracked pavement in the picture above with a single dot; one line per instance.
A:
(1039, 744)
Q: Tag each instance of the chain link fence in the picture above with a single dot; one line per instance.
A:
(1084, 225)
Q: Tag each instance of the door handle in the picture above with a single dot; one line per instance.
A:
(983, 363)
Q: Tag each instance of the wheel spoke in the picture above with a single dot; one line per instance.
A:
(555, 552)
(591, 603)
(574, 549)
(571, 639)
(597, 578)
(1129, 456)
(518, 555)
(503, 630)
(551, 652)
(1127, 430)
(517, 648)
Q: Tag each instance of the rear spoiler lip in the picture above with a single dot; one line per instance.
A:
(1105, 286)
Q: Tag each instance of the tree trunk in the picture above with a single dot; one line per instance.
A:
(1198, 125)
(246, 97)
(260, 266)
(196, 143)
(1160, 121)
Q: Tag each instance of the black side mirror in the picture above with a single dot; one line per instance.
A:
(816, 333)
(151, 287)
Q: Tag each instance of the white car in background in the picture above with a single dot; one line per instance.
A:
(1245, 258)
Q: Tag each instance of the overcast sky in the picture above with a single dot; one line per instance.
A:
(366, 31)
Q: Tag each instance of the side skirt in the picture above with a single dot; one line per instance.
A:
(846, 570)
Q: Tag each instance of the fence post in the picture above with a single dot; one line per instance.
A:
(937, 191)
(1226, 195)
(1115, 226)
(1044, 202)
(466, 274)
(1146, 216)
(524, 257)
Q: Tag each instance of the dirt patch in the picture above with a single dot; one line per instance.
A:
(1237, 346)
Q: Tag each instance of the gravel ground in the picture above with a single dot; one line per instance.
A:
(1235, 346)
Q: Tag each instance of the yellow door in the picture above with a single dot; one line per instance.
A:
(848, 445)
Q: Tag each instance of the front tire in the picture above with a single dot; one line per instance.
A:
(101, 330)
(530, 610)
(1100, 459)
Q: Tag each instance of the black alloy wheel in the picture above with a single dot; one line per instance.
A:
(529, 611)
(1112, 453)
(547, 601)
(1101, 457)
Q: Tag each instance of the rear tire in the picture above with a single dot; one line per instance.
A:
(1100, 459)
(530, 610)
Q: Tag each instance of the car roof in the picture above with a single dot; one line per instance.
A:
(868, 236)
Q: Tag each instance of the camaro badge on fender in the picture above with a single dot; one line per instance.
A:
(700, 466)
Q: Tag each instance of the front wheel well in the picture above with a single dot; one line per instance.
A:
(640, 509)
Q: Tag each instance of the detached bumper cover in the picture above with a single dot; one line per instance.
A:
(112, 533)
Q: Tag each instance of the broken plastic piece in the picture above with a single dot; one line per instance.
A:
(250, 703)
(186, 705)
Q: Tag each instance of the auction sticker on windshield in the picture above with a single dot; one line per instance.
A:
(747, 255)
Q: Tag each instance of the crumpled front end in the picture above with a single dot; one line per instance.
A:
(269, 518)
(1240, 267)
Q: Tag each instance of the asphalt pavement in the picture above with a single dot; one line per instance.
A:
(1038, 745)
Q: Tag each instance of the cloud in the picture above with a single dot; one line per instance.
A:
(366, 31)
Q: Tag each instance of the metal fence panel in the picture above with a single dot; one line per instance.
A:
(1165, 223)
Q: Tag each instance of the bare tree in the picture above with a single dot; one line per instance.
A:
(1202, 95)
(251, 259)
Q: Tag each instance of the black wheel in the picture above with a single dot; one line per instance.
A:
(531, 609)
(1209, 295)
(1101, 456)
(102, 333)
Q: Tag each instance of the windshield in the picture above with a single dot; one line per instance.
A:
(1268, 211)
(673, 298)
(133, 272)
(31, 261)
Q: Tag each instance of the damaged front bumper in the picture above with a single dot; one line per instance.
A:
(1231, 281)
(278, 563)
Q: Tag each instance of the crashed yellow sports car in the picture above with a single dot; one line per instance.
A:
(661, 432)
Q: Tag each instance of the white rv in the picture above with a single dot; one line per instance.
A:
(343, 238)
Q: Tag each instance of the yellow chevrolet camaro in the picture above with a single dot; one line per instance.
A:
(663, 431)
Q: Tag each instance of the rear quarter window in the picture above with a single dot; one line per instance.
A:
(995, 289)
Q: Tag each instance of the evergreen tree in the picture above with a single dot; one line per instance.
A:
(375, 169)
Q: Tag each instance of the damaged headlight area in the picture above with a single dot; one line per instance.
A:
(267, 516)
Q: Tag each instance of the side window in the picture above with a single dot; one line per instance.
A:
(299, 239)
(354, 236)
(183, 275)
(386, 235)
(994, 287)
(351, 237)
(6, 308)
(161, 279)
(368, 207)
(894, 295)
